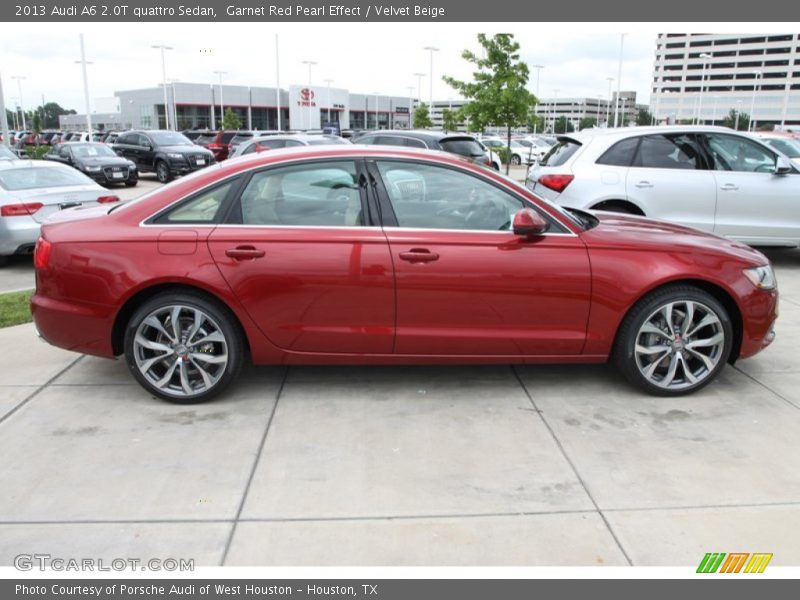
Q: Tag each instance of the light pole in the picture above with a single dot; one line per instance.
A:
(162, 47)
(172, 83)
(555, 101)
(310, 64)
(277, 83)
(705, 56)
(83, 62)
(410, 104)
(221, 103)
(714, 111)
(377, 126)
(19, 79)
(737, 114)
(3, 116)
(608, 106)
(785, 104)
(431, 49)
(538, 72)
(751, 123)
(329, 82)
(619, 75)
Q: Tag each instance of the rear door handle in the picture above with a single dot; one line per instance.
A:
(419, 255)
(644, 184)
(729, 187)
(244, 253)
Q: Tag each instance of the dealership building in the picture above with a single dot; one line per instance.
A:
(705, 76)
(198, 105)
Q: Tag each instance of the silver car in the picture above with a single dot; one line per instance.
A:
(274, 142)
(711, 178)
(32, 190)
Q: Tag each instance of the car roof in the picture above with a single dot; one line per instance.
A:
(623, 132)
(294, 136)
(416, 133)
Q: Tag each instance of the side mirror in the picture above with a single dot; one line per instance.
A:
(783, 165)
(528, 222)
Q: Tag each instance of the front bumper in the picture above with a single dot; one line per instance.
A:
(758, 331)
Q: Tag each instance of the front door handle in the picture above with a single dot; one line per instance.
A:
(419, 255)
(244, 253)
(729, 187)
(644, 184)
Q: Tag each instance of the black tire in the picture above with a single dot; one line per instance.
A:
(3, 260)
(628, 361)
(516, 160)
(163, 172)
(132, 183)
(219, 319)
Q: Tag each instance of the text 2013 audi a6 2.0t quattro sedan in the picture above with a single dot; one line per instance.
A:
(370, 255)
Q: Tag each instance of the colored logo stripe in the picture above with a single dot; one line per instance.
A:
(758, 563)
(717, 561)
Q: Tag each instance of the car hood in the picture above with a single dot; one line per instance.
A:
(631, 232)
(105, 161)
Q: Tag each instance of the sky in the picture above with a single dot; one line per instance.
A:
(361, 57)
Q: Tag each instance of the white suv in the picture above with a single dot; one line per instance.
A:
(712, 178)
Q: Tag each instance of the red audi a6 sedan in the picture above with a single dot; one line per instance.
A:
(370, 255)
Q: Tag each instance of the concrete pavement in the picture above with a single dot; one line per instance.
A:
(537, 465)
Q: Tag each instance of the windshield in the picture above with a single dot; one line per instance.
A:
(462, 146)
(92, 151)
(170, 138)
(41, 177)
(789, 147)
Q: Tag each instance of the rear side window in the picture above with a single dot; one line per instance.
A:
(228, 136)
(620, 154)
(203, 208)
(560, 153)
(678, 151)
(462, 146)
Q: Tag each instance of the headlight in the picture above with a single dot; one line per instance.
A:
(175, 155)
(91, 169)
(762, 277)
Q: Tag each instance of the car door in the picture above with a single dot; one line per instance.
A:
(670, 179)
(466, 284)
(755, 204)
(146, 150)
(303, 257)
(126, 147)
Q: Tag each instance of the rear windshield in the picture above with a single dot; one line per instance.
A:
(241, 137)
(560, 153)
(228, 136)
(205, 138)
(40, 177)
(462, 146)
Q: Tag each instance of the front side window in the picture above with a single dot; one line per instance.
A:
(734, 153)
(430, 197)
(678, 151)
(317, 194)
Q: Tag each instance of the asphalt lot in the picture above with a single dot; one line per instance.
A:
(563, 465)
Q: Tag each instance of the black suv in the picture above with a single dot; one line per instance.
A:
(454, 143)
(97, 161)
(166, 153)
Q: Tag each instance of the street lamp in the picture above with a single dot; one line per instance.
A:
(714, 111)
(619, 75)
(163, 47)
(410, 104)
(172, 81)
(83, 62)
(329, 82)
(705, 56)
(310, 64)
(19, 79)
(555, 101)
(750, 123)
(376, 110)
(608, 106)
(785, 104)
(431, 49)
(538, 72)
(221, 103)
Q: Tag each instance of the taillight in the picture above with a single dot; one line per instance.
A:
(557, 183)
(21, 209)
(107, 199)
(41, 254)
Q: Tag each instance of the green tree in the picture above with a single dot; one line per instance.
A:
(51, 112)
(497, 93)
(535, 122)
(422, 118)
(450, 119)
(587, 123)
(736, 120)
(231, 120)
(562, 125)
(644, 117)
(36, 122)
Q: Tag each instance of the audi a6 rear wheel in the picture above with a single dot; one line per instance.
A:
(674, 341)
(183, 347)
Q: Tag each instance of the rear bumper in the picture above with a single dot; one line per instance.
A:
(84, 328)
(17, 234)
